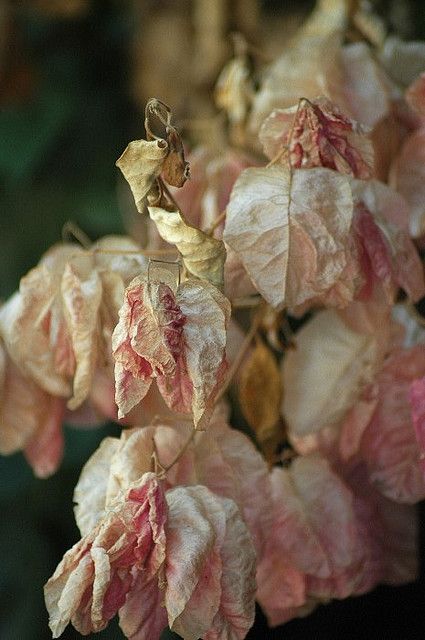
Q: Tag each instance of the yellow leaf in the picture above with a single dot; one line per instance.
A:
(260, 392)
(203, 256)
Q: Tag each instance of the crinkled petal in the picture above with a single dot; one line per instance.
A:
(317, 134)
(324, 375)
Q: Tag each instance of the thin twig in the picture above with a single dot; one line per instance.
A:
(71, 230)
(216, 223)
(181, 452)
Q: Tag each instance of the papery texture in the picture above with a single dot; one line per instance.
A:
(222, 459)
(313, 536)
(389, 257)
(417, 403)
(178, 338)
(317, 134)
(366, 90)
(202, 255)
(211, 595)
(30, 419)
(326, 373)
(389, 445)
(311, 66)
(141, 163)
(290, 231)
(91, 583)
(58, 327)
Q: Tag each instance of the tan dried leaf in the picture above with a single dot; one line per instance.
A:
(203, 256)
(260, 392)
(141, 163)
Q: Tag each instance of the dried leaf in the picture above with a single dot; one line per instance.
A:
(91, 583)
(175, 169)
(211, 581)
(318, 134)
(141, 164)
(178, 338)
(291, 231)
(203, 256)
(260, 391)
(325, 373)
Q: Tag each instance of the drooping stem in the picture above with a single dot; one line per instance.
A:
(72, 230)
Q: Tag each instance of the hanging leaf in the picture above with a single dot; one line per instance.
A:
(202, 255)
(141, 163)
(260, 392)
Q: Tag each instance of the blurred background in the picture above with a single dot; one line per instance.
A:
(74, 79)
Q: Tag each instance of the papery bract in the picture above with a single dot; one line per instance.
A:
(91, 583)
(318, 134)
(311, 66)
(178, 338)
(326, 373)
(30, 419)
(313, 534)
(388, 256)
(417, 402)
(389, 445)
(210, 569)
(222, 459)
(290, 230)
(58, 327)
(366, 90)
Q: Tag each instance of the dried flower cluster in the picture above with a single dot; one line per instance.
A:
(184, 520)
